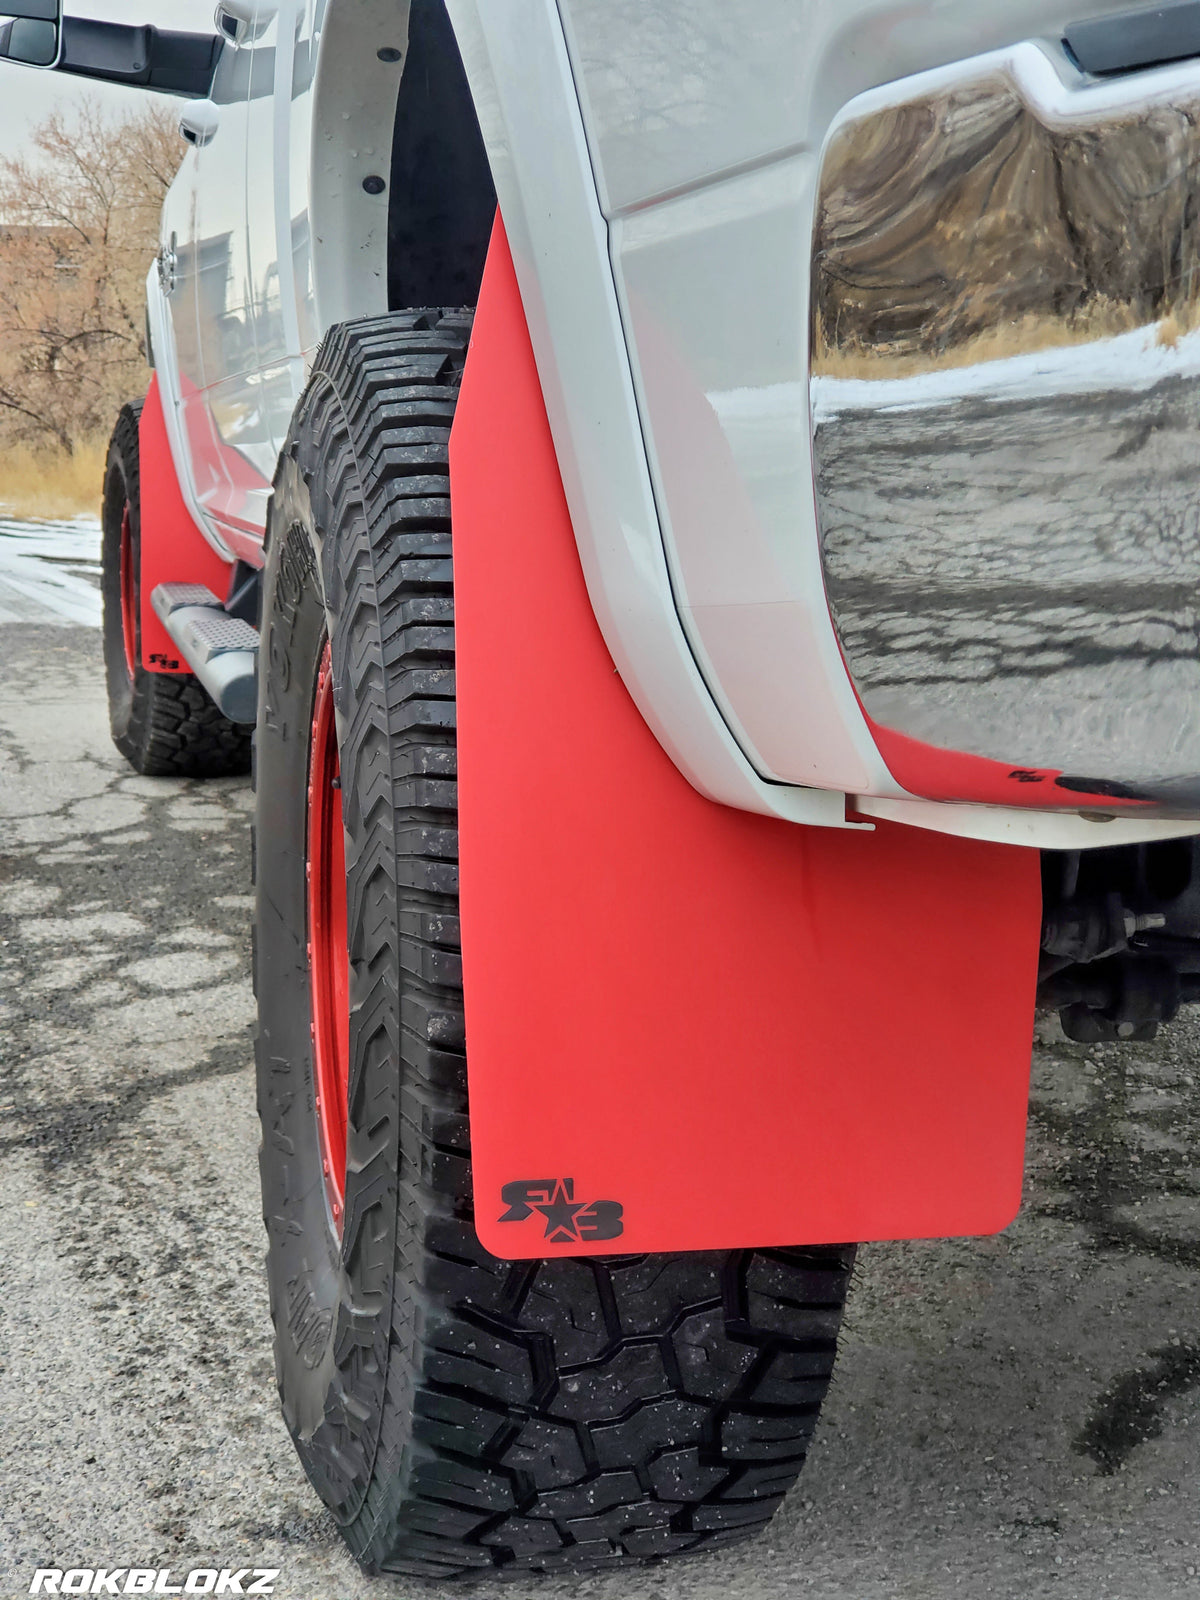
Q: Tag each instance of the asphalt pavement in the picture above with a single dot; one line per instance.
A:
(1016, 1416)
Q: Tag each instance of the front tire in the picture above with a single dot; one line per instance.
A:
(455, 1412)
(164, 724)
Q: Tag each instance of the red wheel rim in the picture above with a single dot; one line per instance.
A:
(128, 596)
(328, 962)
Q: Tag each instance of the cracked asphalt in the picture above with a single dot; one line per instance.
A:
(1017, 1416)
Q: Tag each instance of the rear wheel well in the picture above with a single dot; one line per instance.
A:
(401, 200)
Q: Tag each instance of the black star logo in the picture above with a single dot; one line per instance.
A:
(559, 1213)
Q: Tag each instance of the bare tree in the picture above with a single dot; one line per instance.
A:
(78, 228)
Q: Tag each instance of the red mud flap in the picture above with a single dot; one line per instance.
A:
(173, 550)
(689, 1027)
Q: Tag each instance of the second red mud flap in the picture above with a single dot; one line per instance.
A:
(689, 1027)
(173, 550)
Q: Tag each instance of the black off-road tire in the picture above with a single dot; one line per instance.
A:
(458, 1413)
(164, 724)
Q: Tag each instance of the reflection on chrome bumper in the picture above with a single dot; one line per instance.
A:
(1006, 419)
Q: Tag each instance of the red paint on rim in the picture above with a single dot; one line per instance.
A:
(128, 596)
(328, 962)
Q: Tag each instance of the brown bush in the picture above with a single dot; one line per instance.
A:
(959, 220)
(78, 230)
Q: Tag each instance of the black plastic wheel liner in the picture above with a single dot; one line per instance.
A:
(441, 202)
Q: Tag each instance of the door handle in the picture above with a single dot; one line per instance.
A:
(168, 265)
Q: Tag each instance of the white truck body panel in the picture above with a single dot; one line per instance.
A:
(651, 238)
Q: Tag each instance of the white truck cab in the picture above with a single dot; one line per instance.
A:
(698, 504)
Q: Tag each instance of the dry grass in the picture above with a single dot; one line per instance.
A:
(51, 483)
(1170, 331)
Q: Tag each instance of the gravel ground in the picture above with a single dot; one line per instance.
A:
(1017, 1416)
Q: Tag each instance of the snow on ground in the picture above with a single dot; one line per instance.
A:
(1132, 361)
(50, 571)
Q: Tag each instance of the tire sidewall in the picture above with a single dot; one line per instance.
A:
(330, 1350)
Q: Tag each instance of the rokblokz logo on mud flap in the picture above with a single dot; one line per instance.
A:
(154, 1580)
(568, 1221)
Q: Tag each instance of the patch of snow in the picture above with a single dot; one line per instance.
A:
(1131, 362)
(50, 571)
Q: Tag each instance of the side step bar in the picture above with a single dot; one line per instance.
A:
(221, 650)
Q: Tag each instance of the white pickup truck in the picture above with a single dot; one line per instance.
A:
(698, 504)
